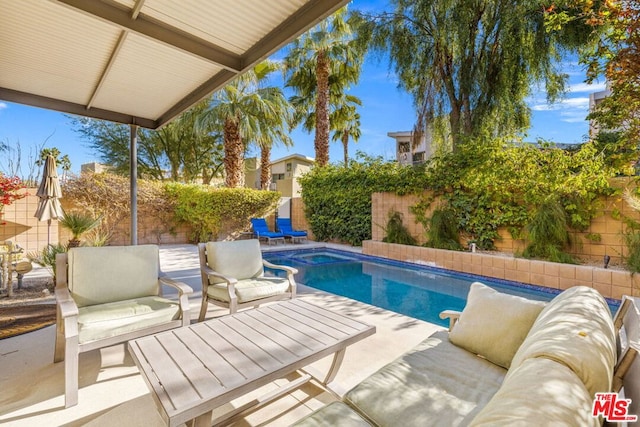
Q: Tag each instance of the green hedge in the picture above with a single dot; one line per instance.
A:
(208, 211)
(337, 199)
(485, 185)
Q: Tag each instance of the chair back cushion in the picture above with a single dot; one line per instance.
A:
(99, 275)
(284, 224)
(240, 259)
(259, 224)
(575, 329)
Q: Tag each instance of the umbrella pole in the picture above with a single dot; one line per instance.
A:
(48, 232)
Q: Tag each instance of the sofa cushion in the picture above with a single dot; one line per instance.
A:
(539, 392)
(116, 318)
(240, 259)
(436, 383)
(250, 289)
(493, 325)
(98, 275)
(331, 415)
(575, 329)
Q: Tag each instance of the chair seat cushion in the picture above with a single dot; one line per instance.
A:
(333, 414)
(250, 289)
(435, 384)
(102, 321)
(295, 233)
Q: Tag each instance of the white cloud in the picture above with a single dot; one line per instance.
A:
(585, 87)
(3, 105)
(581, 103)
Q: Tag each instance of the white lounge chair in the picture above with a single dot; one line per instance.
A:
(108, 295)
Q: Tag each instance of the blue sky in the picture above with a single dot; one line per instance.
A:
(385, 109)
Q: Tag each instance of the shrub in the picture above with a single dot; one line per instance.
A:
(442, 232)
(396, 232)
(211, 211)
(337, 199)
(106, 196)
(548, 233)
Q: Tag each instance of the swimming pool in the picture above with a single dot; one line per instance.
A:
(417, 291)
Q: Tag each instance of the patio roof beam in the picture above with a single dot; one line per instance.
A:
(158, 31)
(107, 68)
(73, 108)
(309, 15)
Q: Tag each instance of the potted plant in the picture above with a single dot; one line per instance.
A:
(78, 224)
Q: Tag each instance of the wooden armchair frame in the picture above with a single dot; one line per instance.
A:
(231, 282)
(68, 346)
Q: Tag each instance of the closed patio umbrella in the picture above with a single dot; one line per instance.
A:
(49, 193)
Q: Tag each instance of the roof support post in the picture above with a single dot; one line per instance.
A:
(133, 179)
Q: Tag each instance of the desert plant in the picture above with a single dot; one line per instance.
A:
(548, 233)
(443, 232)
(78, 223)
(396, 232)
(47, 257)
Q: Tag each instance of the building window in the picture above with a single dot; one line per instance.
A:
(288, 167)
(418, 157)
(277, 177)
(404, 147)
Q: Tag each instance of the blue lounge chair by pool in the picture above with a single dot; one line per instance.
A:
(285, 227)
(262, 232)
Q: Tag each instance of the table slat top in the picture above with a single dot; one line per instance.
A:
(197, 368)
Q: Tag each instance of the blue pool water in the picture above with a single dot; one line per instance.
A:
(417, 291)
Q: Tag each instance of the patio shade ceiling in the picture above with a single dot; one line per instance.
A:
(139, 62)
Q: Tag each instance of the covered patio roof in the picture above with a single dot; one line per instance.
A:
(139, 62)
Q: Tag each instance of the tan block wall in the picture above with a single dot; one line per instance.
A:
(23, 228)
(606, 225)
(298, 218)
(610, 283)
(384, 203)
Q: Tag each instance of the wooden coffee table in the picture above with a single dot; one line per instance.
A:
(195, 369)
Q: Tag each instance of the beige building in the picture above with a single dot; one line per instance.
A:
(407, 153)
(284, 173)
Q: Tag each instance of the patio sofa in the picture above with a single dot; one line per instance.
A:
(505, 361)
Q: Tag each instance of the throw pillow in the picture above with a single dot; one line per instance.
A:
(494, 325)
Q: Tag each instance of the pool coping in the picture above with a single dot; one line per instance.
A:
(613, 303)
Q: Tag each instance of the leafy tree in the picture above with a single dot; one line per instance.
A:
(181, 148)
(321, 65)
(613, 51)
(248, 111)
(473, 62)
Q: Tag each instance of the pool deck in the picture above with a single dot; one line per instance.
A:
(112, 392)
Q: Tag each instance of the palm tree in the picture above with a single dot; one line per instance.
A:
(345, 122)
(313, 59)
(246, 111)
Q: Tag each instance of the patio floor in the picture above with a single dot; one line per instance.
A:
(112, 392)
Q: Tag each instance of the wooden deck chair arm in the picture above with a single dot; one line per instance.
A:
(183, 288)
(184, 291)
(623, 366)
(452, 315)
(231, 281)
(289, 270)
(66, 303)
